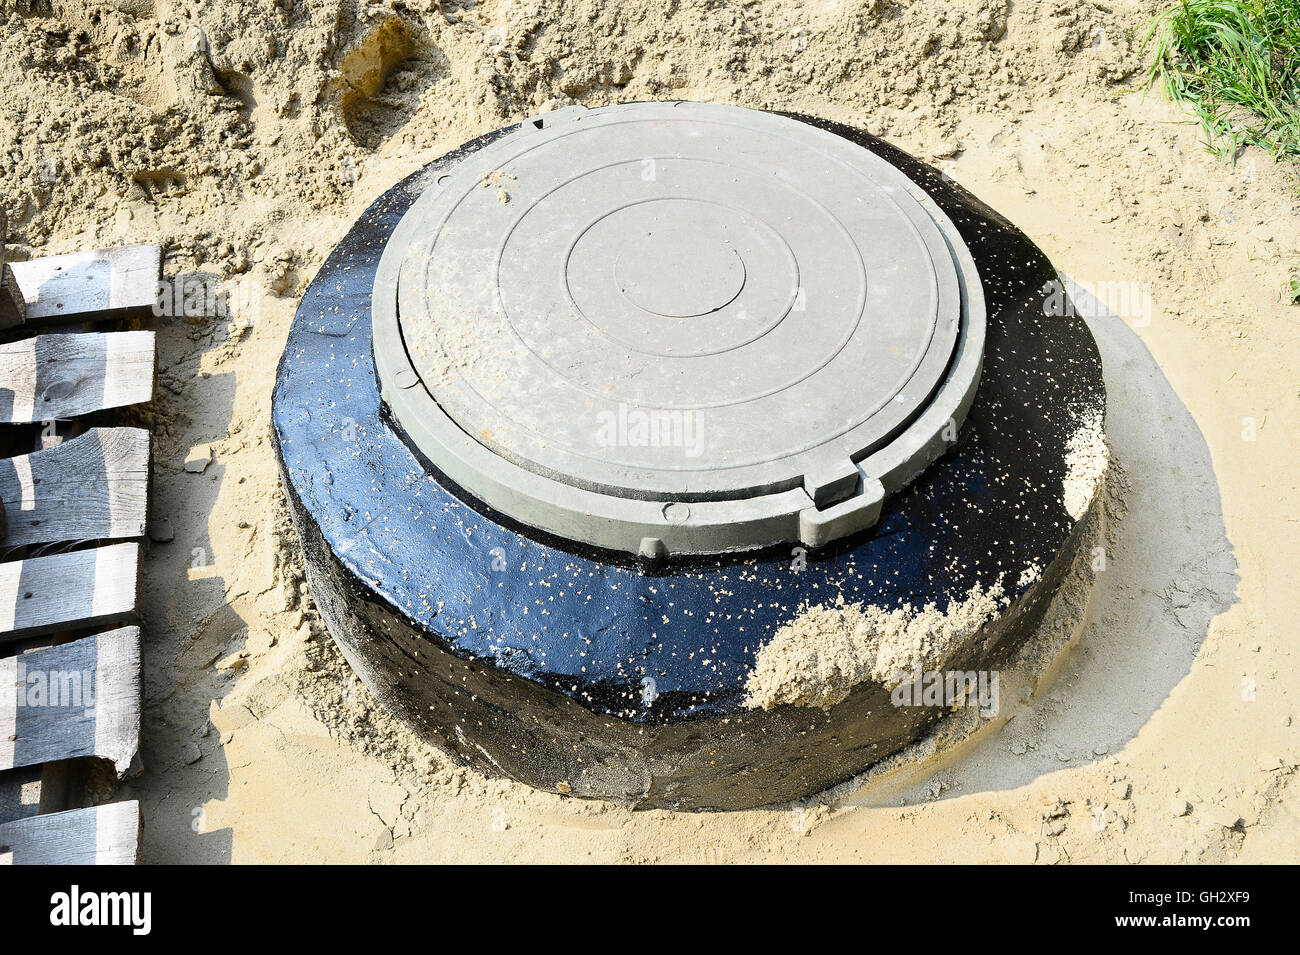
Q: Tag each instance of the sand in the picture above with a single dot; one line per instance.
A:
(246, 137)
(1085, 464)
(820, 656)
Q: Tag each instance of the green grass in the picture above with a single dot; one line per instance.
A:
(1236, 64)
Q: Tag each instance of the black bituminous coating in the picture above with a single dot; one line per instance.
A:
(582, 672)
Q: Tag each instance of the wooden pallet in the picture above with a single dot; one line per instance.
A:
(73, 510)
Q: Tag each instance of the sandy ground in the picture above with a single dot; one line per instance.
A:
(246, 138)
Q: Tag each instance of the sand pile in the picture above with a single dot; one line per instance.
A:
(120, 107)
(817, 658)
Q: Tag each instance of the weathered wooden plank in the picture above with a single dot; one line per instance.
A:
(13, 310)
(29, 790)
(86, 588)
(99, 284)
(101, 835)
(75, 699)
(92, 487)
(59, 376)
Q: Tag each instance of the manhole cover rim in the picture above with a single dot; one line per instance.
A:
(702, 519)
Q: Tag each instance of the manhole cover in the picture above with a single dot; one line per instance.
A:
(682, 328)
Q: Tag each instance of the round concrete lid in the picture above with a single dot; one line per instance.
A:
(678, 328)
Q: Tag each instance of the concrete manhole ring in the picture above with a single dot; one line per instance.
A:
(553, 654)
